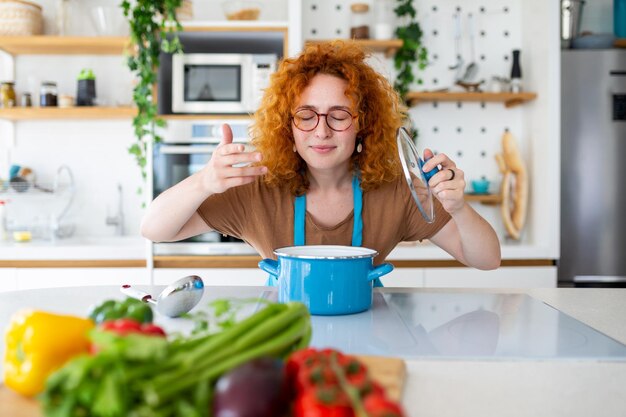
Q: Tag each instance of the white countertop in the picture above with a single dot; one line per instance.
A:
(135, 247)
(461, 386)
(92, 248)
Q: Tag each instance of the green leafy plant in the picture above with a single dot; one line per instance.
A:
(412, 50)
(150, 21)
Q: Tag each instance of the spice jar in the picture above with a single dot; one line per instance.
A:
(360, 21)
(26, 100)
(48, 94)
(7, 94)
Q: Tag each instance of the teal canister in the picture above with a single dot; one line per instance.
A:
(619, 18)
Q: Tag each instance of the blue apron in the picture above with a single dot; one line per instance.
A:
(299, 218)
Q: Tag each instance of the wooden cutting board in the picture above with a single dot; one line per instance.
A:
(389, 372)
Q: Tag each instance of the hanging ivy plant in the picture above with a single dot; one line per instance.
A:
(149, 21)
(412, 50)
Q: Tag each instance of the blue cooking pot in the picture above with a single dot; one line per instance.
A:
(330, 280)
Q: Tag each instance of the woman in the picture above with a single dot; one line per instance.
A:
(325, 170)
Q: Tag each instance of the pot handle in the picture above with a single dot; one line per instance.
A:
(270, 266)
(379, 271)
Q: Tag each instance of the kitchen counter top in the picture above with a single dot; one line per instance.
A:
(136, 248)
(470, 383)
(77, 248)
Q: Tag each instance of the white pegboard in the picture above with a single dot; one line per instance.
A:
(470, 133)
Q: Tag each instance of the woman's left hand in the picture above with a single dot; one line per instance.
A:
(448, 185)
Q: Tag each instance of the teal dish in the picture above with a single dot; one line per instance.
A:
(480, 186)
(329, 280)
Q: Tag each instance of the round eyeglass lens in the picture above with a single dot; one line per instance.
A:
(307, 120)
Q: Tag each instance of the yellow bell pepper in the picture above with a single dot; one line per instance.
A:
(37, 343)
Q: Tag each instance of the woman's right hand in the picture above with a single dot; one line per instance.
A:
(219, 174)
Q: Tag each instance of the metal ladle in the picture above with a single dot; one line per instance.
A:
(176, 299)
(458, 66)
(472, 68)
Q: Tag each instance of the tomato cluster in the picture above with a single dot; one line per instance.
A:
(330, 384)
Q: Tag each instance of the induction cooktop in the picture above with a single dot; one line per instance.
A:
(461, 325)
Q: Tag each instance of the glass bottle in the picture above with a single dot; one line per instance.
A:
(7, 94)
(62, 15)
(360, 21)
(516, 73)
(48, 94)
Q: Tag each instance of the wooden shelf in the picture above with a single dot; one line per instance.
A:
(489, 199)
(64, 45)
(205, 116)
(49, 113)
(620, 43)
(509, 99)
(389, 47)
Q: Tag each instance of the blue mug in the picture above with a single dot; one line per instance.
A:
(329, 280)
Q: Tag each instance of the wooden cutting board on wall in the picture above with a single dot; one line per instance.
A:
(389, 372)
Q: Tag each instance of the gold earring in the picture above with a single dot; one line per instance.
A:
(359, 147)
(294, 148)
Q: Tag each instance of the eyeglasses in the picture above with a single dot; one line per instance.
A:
(337, 120)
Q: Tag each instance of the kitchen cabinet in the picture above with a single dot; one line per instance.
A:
(404, 278)
(212, 276)
(8, 280)
(29, 278)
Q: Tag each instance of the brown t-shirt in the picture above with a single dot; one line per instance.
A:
(263, 216)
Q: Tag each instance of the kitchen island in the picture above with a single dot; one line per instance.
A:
(484, 370)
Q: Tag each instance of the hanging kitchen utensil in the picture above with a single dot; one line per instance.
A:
(176, 299)
(416, 178)
(458, 66)
(472, 68)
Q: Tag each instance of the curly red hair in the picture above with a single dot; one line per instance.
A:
(379, 114)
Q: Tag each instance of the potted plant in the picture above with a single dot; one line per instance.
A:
(412, 50)
(149, 21)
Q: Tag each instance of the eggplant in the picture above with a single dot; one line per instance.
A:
(257, 388)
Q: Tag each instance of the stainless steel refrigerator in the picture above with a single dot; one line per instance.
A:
(593, 168)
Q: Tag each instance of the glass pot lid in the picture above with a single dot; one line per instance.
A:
(416, 178)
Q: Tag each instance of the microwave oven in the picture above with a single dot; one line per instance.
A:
(220, 83)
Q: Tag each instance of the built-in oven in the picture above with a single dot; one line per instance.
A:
(185, 149)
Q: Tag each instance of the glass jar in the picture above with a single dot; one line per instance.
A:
(26, 100)
(48, 94)
(360, 21)
(7, 94)
(385, 16)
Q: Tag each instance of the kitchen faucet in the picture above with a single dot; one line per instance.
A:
(58, 229)
(118, 219)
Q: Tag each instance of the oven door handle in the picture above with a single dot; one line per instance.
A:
(187, 150)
